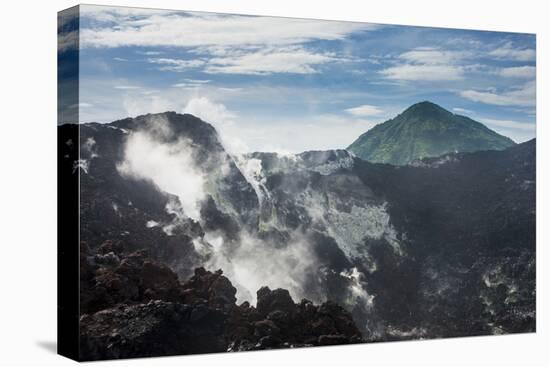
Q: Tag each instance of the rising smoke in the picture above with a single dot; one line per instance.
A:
(169, 165)
(250, 262)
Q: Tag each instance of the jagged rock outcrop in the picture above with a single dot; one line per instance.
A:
(110, 276)
(133, 306)
(278, 322)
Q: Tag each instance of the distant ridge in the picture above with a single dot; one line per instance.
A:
(425, 130)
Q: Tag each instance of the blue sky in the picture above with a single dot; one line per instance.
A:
(289, 85)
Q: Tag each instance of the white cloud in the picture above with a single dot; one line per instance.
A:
(230, 89)
(509, 124)
(197, 81)
(110, 14)
(433, 56)
(364, 110)
(463, 111)
(233, 43)
(255, 61)
(186, 85)
(509, 52)
(269, 60)
(176, 65)
(524, 95)
(126, 87)
(191, 83)
(526, 72)
(424, 72)
(164, 28)
(428, 64)
(150, 53)
(517, 131)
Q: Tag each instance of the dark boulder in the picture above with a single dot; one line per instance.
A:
(109, 279)
(273, 300)
(214, 288)
(155, 328)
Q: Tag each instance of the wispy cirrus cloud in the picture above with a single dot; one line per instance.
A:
(524, 95)
(262, 61)
(510, 52)
(197, 81)
(438, 64)
(434, 56)
(525, 72)
(191, 83)
(292, 59)
(126, 87)
(510, 124)
(423, 72)
(427, 64)
(364, 110)
(463, 111)
(516, 130)
(120, 27)
(150, 53)
(224, 44)
(176, 65)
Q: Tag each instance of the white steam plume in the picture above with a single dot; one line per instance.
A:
(255, 263)
(169, 165)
